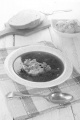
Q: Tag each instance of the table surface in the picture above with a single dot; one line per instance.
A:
(71, 46)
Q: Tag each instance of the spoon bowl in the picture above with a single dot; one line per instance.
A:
(60, 98)
(57, 98)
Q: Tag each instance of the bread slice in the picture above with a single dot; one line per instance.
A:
(25, 19)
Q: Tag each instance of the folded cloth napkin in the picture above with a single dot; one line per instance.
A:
(28, 107)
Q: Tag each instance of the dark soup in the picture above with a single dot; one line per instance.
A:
(38, 66)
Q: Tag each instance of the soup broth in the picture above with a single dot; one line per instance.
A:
(54, 64)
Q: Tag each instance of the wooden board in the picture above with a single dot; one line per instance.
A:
(24, 32)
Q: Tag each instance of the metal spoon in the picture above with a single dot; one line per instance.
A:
(57, 97)
(56, 12)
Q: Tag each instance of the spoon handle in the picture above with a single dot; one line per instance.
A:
(18, 94)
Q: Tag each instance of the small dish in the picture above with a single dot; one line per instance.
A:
(63, 34)
(16, 57)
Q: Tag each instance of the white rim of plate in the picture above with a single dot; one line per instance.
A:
(62, 78)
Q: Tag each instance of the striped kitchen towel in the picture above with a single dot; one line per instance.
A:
(29, 107)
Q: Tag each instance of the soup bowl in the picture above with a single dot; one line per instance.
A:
(38, 66)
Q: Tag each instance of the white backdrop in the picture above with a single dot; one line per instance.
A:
(10, 7)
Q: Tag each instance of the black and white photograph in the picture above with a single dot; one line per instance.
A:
(39, 60)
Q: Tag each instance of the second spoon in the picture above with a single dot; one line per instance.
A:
(57, 98)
